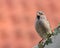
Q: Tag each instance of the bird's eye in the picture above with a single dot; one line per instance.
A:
(41, 13)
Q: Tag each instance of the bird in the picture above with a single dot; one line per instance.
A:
(42, 25)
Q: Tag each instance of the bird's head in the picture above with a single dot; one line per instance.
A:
(40, 15)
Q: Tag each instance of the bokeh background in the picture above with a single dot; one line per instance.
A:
(17, 21)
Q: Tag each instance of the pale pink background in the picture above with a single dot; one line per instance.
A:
(23, 9)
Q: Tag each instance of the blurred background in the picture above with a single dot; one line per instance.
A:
(17, 21)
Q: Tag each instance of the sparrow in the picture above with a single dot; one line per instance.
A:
(42, 25)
